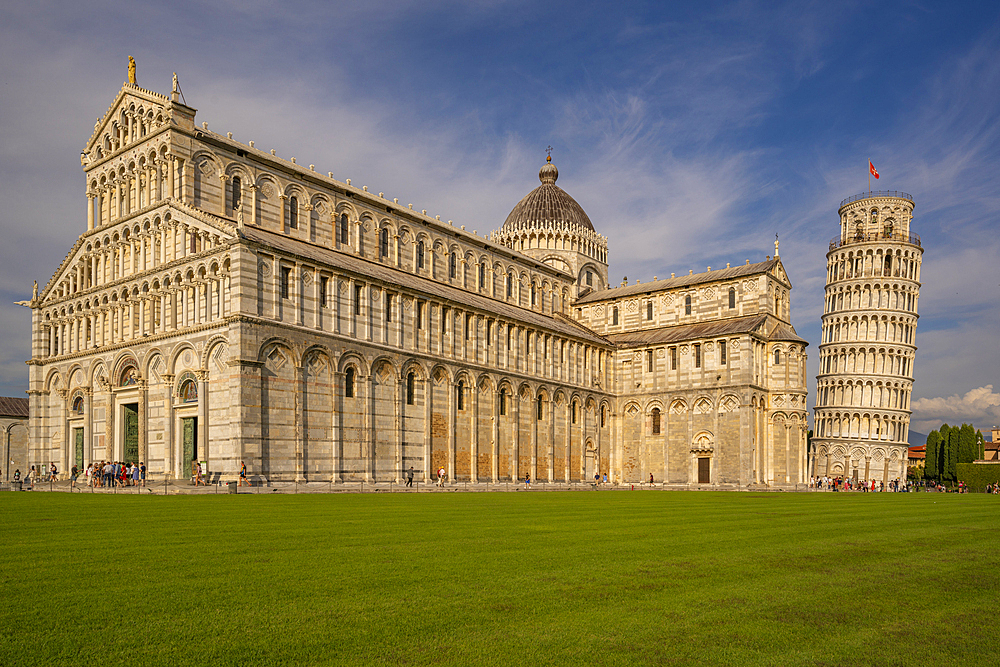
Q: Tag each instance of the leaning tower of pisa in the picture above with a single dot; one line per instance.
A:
(862, 412)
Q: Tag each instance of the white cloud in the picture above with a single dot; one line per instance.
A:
(979, 407)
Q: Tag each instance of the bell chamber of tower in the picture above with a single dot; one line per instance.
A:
(865, 379)
(551, 227)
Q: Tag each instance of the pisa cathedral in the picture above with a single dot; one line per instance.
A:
(227, 305)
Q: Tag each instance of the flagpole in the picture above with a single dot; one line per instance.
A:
(869, 176)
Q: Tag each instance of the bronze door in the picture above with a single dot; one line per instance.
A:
(704, 470)
(190, 434)
(78, 439)
(131, 433)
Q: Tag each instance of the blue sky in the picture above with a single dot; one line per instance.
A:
(691, 133)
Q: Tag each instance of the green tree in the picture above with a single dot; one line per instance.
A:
(942, 460)
(952, 467)
(967, 446)
(931, 468)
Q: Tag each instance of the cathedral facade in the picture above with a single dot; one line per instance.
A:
(226, 305)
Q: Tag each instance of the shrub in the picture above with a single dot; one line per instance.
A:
(977, 475)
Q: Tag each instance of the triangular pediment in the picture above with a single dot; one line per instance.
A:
(139, 223)
(778, 271)
(131, 98)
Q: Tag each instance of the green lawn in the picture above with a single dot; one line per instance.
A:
(563, 578)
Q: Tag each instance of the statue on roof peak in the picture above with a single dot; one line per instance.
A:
(131, 70)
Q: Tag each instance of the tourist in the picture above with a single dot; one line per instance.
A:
(53, 472)
(198, 479)
(243, 474)
(142, 473)
(605, 478)
(650, 479)
(441, 476)
(17, 474)
(72, 479)
(31, 477)
(135, 475)
(409, 476)
(527, 480)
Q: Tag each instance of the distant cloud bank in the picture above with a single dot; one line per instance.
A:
(979, 407)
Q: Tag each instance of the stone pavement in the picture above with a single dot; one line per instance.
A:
(184, 487)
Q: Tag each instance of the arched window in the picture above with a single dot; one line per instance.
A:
(687, 305)
(656, 421)
(539, 408)
(614, 316)
(460, 397)
(78, 405)
(503, 401)
(777, 305)
(189, 392)
(722, 352)
(590, 279)
(237, 192)
(732, 297)
(510, 285)
(777, 357)
(482, 276)
(383, 242)
(420, 254)
(574, 412)
(349, 383)
(293, 213)
(697, 355)
(452, 263)
(649, 309)
(532, 294)
(602, 416)
(409, 388)
(345, 234)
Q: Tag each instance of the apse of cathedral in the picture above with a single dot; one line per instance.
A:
(225, 305)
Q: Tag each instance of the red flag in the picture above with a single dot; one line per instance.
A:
(872, 169)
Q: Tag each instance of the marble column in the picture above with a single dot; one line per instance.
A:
(170, 469)
(203, 443)
(143, 421)
(428, 420)
(88, 427)
(300, 423)
(110, 410)
(474, 440)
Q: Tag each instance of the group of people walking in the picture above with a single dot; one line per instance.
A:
(864, 486)
(33, 475)
(110, 474)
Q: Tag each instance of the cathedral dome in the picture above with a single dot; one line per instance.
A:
(548, 205)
